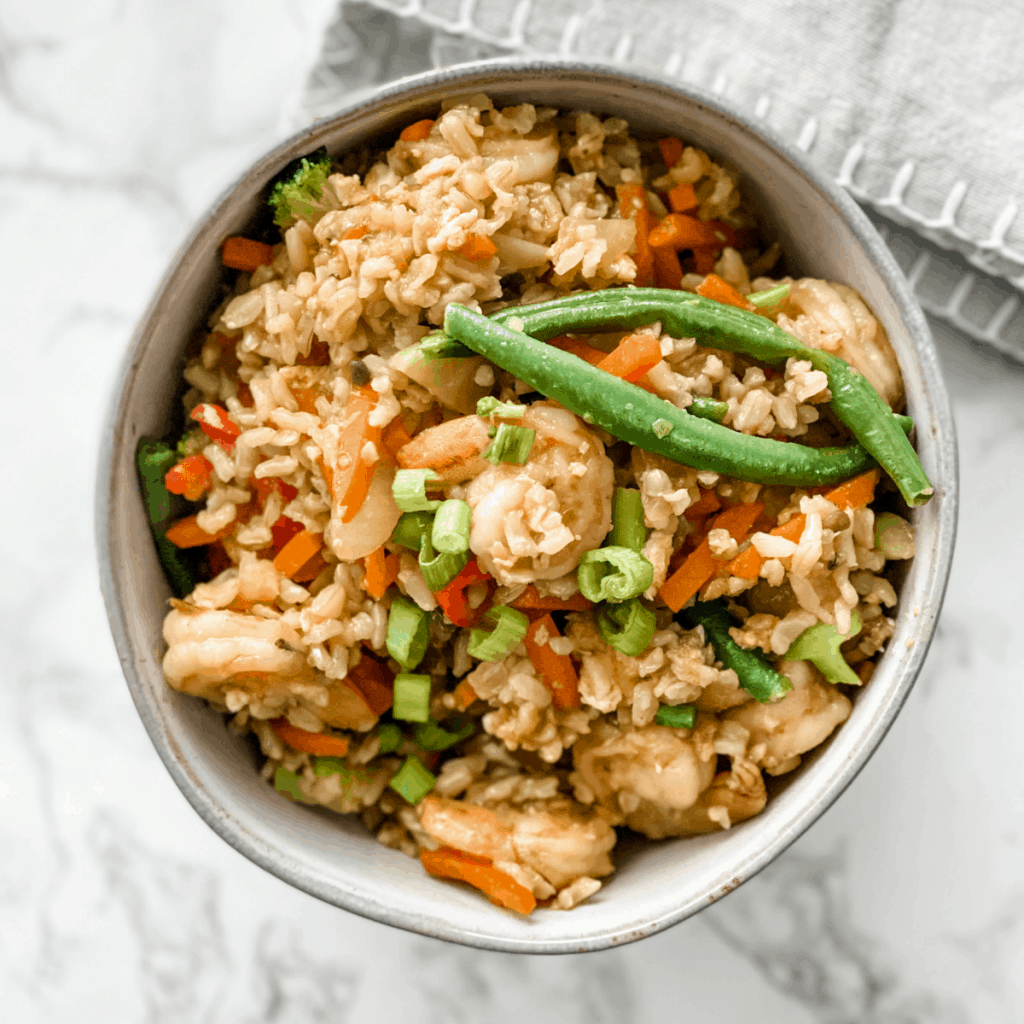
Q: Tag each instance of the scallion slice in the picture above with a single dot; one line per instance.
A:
(390, 738)
(408, 632)
(769, 297)
(614, 574)
(510, 444)
(450, 532)
(412, 697)
(412, 782)
(432, 736)
(626, 627)
(508, 627)
(441, 567)
(628, 530)
(681, 716)
(412, 528)
(410, 490)
(490, 406)
(287, 782)
(324, 766)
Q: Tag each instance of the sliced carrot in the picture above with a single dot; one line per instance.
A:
(530, 600)
(681, 231)
(557, 670)
(701, 564)
(855, 493)
(187, 533)
(297, 552)
(704, 259)
(682, 198)
(633, 204)
(417, 131)
(311, 569)
(579, 348)
(482, 875)
(381, 572)
(396, 435)
(463, 695)
(633, 357)
(671, 151)
(191, 478)
(668, 271)
(353, 233)
(374, 682)
(714, 287)
(707, 503)
(309, 742)
(350, 481)
(478, 248)
(245, 254)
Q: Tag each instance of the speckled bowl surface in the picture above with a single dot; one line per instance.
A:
(656, 884)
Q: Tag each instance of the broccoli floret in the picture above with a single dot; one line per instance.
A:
(299, 192)
(820, 644)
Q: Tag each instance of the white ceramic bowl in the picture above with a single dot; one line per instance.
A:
(656, 884)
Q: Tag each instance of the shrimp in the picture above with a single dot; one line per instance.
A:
(805, 717)
(453, 449)
(834, 317)
(535, 521)
(212, 652)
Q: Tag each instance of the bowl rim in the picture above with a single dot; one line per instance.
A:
(503, 72)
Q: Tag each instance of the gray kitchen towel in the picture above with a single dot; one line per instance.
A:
(913, 106)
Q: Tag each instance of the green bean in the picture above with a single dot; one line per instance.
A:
(854, 400)
(649, 422)
(756, 676)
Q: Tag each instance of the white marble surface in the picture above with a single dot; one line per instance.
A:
(120, 120)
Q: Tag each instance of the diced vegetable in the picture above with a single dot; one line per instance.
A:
(463, 695)
(287, 783)
(412, 528)
(452, 598)
(187, 533)
(894, 536)
(580, 349)
(450, 532)
(557, 670)
(820, 644)
(714, 287)
(614, 574)
(508, 627)
(627, 627)
(478, 248)
(299, 194)
(246, 254)
(531, 600)
(671, 151)
(381, 570)
(297, 552)
(191, 478)
(216, 424)
(681, 231)
(633, 204)
(309, 742)
(511, 444)
(668, 271)
(634, 356)
(628, 530)
(682, 198)
(481, 874)
(769, 297)
(432, 736)
(390, 738)
(410, 490)
(412, 782)
(489, 407)
(417, 131)
(706, 504)
(408, 633)
(373, 681)
(678, 716)
(441, 567)
(412, 697)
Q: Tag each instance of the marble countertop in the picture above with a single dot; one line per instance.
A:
(905, 903)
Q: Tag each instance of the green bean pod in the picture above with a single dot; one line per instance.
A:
(756, 676)
(854, 400)
(649, 422)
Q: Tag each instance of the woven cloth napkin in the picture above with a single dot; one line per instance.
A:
(915, 107)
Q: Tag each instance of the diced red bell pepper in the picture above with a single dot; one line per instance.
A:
(192, 477)
(216, 424)
(453, 600)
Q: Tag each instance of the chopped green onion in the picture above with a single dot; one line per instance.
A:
(412, 528)
(412, 782)
(410, 490)
(324, 766)
(390, 738)
(440, 568)
(490, 406)
(432, 736)
(770, 297)
(627, 627)
(450, 532)
(894, 536)
(820, 644)
(408, 632)
(439, 346)
(412, 697)
(509, 627)
(628, 530)
(614, 574)
(287, 782)
(681, 716)
(510, 444)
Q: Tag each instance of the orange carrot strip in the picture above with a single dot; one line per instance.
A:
(671, 151)
(482, 875)
(374, 682)
(310, 570)
(187, 533)
(396, 436)
(375, 569)
(309, 742)
(351, 480)
(417, 131)
(306, 399)
(633, 203)
(682, 198)
(708, 502)
(713, 287)
(556, 670)
(246, 254)
(633, 357)
(297, 552)
(478, 248)
(701, 564)
(579, 348)
(530, 600)
(854, 493)
(704, 259)
(682, 231)
(463, 695)
(668, 271)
